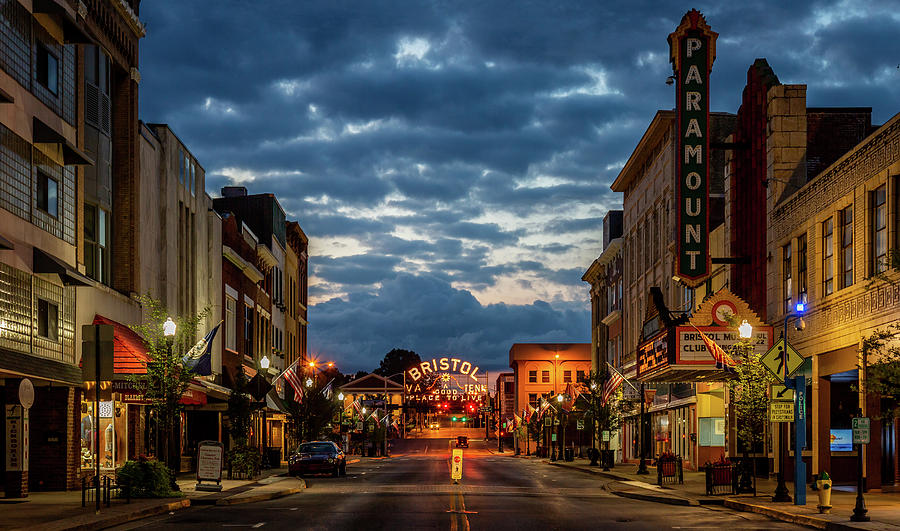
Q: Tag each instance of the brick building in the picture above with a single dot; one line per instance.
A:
(68, 80)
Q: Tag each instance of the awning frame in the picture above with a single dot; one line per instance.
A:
(43, 262)
(43, 133)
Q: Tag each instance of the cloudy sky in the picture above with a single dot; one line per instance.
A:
(451, 161)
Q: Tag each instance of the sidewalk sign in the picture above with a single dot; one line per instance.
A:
(209, 465)
(781, 412)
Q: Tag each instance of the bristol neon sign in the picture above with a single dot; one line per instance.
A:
(445, 379)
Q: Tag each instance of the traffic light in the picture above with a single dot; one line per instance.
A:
(454, 419)
(471, 407)
(464, 419)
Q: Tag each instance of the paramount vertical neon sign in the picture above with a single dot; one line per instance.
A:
(692, 50)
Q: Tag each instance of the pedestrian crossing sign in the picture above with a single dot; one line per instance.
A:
(782, 355)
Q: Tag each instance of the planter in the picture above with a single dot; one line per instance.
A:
(720, 479)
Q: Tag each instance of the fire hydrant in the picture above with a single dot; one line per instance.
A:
(824, 486)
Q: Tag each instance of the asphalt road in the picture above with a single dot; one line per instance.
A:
(413, 490)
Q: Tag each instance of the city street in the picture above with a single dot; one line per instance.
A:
(413, 490)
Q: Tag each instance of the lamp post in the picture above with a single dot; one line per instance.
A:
(169, 332)
(781, 490)
(642, 466)
(264, 432)
(561, 430)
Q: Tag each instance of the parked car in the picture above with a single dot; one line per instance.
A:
(318, 457)
(462, 441)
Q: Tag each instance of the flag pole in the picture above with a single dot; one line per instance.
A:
(622, 376)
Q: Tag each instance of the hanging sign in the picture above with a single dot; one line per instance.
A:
(16, 438)
(692, 50)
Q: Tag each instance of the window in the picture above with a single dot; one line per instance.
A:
(230, 321)
(181, 168)
(193, 177)
(533, 399)
(47, 69)
(801, 269)
(532, 376)
(48, 320)
(879, 230)
(48, 194)
(580, 376)
(545, 376)
(96, 243)
(786, 280)
(248, 330)
(847, 247)
(828, 255)
(567, 376)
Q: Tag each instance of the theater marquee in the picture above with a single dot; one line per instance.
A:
(692, 50)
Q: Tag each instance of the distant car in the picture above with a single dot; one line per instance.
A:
(435, 426)
(318, 457)
(462, 441)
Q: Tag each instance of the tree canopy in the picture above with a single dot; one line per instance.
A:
(397, 360)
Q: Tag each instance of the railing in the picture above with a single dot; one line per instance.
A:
(669, 470)
(106, 489)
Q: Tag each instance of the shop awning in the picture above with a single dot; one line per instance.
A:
(47, 263)
(214, 390)
(129, 354)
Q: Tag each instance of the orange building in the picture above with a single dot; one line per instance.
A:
(541, 368)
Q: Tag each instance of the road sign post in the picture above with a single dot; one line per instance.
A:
(860, 427)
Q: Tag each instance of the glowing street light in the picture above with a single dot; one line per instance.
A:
(341, 397)
(309, 382)
(746, 330)
(169, 327)
(264, 362)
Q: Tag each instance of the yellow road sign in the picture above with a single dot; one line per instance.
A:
(781, 412)
(456, 464)
(780, 355)
(780, 393)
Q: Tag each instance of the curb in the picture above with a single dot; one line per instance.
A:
(124, 518)
(598, 472)
(785, 516)
(239, 499)
(653, 498)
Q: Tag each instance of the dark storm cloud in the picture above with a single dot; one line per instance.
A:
(461, 144)
(412, 312)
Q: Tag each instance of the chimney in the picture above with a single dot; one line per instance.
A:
(234, 191)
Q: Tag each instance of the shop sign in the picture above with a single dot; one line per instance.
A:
(691, 350)
(579, 424)
(692, 51)
(16, 438)
(781, 412)
(26, 393)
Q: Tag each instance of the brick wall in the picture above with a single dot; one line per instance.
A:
(50, 424)
(126, 192)
(833, 132)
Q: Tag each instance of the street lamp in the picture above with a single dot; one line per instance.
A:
(169, 332)
(264, 363)
(169, 328)
(745, 330)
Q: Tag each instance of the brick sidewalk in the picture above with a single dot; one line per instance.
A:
(883, 508)
(57, 511)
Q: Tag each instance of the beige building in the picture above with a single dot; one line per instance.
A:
(827, 239)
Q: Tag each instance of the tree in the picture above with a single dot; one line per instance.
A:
(166, 379)
(311, 413)
(603, 417)
(241, 457)
(749, 391)
(397, 360)
(881, 354)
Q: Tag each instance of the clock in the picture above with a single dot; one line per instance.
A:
(722, 310)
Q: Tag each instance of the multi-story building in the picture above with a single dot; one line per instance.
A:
(830, 238)
(506, 395)
(296, 278)
(541, 369)
(606, 279)
(68, 83)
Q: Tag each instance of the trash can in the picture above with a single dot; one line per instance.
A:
(570, 454)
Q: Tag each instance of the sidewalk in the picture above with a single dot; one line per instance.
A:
(59, 511)
(883, 508)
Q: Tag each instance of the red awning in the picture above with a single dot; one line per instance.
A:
(129, 354)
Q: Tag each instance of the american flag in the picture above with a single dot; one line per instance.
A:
(290, 374)
(612, 384)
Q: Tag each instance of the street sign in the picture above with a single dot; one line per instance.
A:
(780, 393)
(604, 435)
(547, 421)
(781, 412)
(780, 355)
(579, 424)
(485, 409)
(456, 465)
(552, 437)
(861, 432)
(89, 335)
